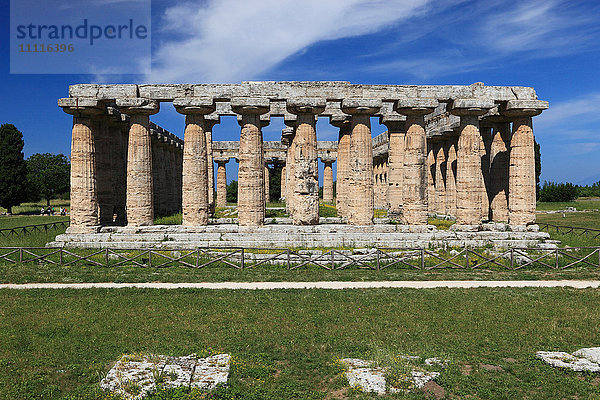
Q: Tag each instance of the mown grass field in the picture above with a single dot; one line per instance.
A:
(58, 344)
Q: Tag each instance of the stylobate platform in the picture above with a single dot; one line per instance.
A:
(276, 235)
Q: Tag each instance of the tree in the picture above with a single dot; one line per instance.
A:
(232, 191)
(538, 168)
(13, 172)
(48, 175)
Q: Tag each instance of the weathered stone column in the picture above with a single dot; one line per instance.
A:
(84, 195)
(430, 178)
(327, 180)
(499, 165)
(287, 137)
(251, 175)
(267, 185)
(221, 181)
(360, 188)
(450, 150)
(521, 184)
(469, 176)
(283, 182)
(343, 164)
(486, 144)
(306, 168)
(119, 127)
(210, 121)
(104, 182)
(140, 195)
(174, 201)
(415, 167)
(396, 133)
(195, 159)
(440, 178)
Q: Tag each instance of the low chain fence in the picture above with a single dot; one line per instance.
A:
(564, 230)
(28, 229)
(332, 259)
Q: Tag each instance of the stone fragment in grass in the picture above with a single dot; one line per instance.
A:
(362, 374)
(590, 353)
(135, 376)
(210, 372)
(560, 359)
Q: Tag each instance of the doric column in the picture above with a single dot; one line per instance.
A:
(221, 181)
(499, 165)
(521, 184)
(210, 121)
(343, 164)
(104, 182)
(450, 153)
(440, 175)
(251, 175)
(485, 146)
(195, 159)
(431, 207)
(395, 124)
(119, 127)
(283, 182)
(163, 205)
(415, 167)
(140, 196)
(360, 188)
(84, 195)
(174, 201)
(306, 168)
(287, 137)
(267, 185)
(469, 176)
(327, 179)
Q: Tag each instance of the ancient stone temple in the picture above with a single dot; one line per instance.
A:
(463, 152)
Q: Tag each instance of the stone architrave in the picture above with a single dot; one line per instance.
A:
(306, 168)
(195, 160)
(251, 175)
(140, 191)
(440, 178)
(210, 121)
(360, 182)
(450, 150)
(395, 124)
(343, 167)
(415, 167)
(221, 181)
(84, 194)
(327, 179)
(521, 190)
(469, 176)
(499, 165)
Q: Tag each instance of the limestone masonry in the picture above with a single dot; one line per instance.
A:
(466, 152)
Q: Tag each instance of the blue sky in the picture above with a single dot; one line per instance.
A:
(551, 45)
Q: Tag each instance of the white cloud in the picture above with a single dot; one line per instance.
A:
(565, 114)
(232, 40)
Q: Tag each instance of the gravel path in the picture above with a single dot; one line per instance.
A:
(310, 285)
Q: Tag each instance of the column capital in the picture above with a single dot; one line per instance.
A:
(194, 105)
(221, 160)
(361, 106)
(250, 105)
(138, 105)
(290, 120)
(394, 122)
(340, 120)
(287, 135)
(416, 106)
(327, 159)
(81, 106)
(523, 108)
(305, 105)
(470, 107)
(264, 119)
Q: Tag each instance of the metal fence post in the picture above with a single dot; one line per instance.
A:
(466, 257)
(512, 258)
(60, 255)
(242, 263)
(422, 258)
(289, 264)
(377, 259)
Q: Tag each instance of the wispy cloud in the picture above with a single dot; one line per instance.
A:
(564, 115)
(230, 40)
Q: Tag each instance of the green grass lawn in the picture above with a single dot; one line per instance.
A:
(580, 204)
(34, 208)
(58, 344)
(36, 239)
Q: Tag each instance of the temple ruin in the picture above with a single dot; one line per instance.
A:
(465, 152)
